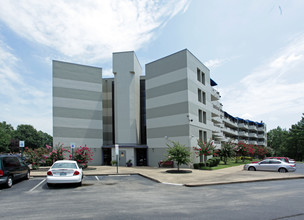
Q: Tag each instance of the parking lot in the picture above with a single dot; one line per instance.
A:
(135, 197)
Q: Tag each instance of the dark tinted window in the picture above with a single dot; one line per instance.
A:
(64, 165)
(276, 162)
(0, 163)
(11, 162)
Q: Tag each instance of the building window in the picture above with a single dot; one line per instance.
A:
(203, 78)
(204, 117)
(205, 136)
(200, 135)
(204, 98)
(200, 115)
(199, 94)
(198, 75)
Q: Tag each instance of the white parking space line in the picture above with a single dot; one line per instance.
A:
(31, 190)
(97, 178)
(174, 184)
(120, 175)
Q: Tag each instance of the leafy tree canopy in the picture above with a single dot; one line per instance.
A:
(179, 153)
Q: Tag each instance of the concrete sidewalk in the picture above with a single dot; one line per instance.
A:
(195, 178)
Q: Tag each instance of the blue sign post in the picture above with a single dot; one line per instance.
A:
(21, 145)
(73, 145)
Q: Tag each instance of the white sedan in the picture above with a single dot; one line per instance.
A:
(64, 171)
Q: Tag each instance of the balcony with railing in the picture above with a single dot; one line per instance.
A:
(252, 128)
(243, 125)
(262, 143)
(230, 131)
(217, 119)
(215, 95)
(243, 133)
(253, 135)
(261, 129)
(253, 142)
(230, 122)
(215, 112)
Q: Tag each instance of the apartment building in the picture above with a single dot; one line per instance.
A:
(176, 100)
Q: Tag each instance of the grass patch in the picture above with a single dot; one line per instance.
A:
(230, 163)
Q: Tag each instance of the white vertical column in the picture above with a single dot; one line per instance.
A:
(127, 72)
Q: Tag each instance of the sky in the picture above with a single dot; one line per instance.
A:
(254, 50)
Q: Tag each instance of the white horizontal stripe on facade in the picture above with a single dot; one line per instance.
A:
(90, 142)
(169, 99)
(77, 123)
(77, 103)
(81, 85)
(163, 141)
(165, 78)
(173, 120)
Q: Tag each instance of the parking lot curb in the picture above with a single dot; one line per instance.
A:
(242, 181)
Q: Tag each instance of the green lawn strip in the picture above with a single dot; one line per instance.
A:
(230, 163)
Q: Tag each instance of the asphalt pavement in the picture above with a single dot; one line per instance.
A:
(191, 178)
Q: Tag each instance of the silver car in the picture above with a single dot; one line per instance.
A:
(271, 165)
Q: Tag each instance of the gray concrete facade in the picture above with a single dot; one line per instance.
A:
(172, 103)
(77, 106)
(176, 100)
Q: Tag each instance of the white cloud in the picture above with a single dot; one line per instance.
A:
(89, 30)
(21, 103)
(274, 90)
(214, 63)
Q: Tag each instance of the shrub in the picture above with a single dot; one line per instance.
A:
(179, 153)
(36, 157)
(83, 155)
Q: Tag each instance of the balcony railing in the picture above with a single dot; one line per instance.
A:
(230, 122)
(252, 127)
(243, 133)
(253, 135)
(231, 131)
(263, 143)
(261, 129)
(242, 125)
(215, 95)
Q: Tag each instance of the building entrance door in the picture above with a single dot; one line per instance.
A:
(122, 158)
(107, 156)
(141, 157)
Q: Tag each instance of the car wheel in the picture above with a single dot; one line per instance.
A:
(80, 183)
(251, 169)
(27, 177)
(49, 185)
(9, 182)
(283, 170)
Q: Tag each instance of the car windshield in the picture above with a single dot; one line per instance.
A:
(64, 165)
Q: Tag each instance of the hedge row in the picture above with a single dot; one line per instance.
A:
(213, 162)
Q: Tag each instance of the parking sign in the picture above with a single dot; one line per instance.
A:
(21, 143)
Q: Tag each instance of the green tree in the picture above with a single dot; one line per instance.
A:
(6, 132)
(295, 141)
(227, 151)
(33, 138)
(276, 139)
(179, 153)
